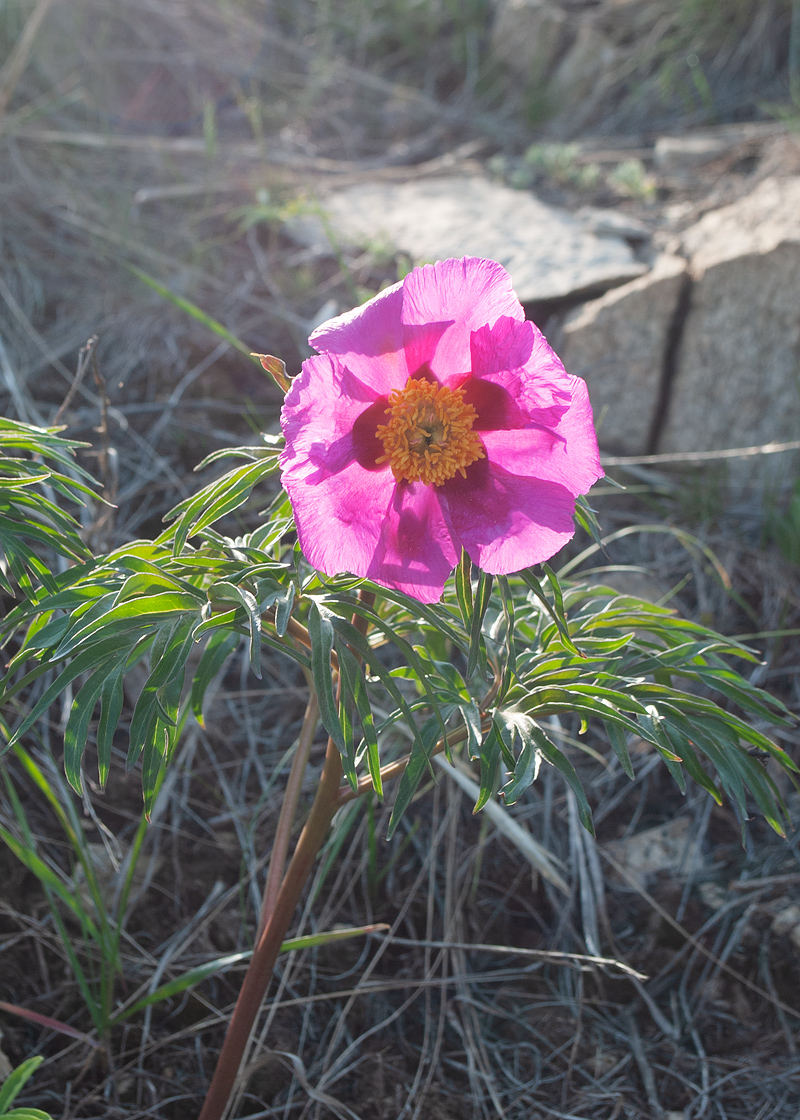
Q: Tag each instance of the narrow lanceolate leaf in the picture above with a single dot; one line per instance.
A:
(14, 1083)
(216, 500)
(510, 669)
(83, 706)
(50, 881)
(220, 646)
(346, 708)
(352, 673)
(231, 592)
(491, 751)
(111, 700)
(464, 589)
(477, 649)
(558, 759)
(320, 629)
(619, 744)
(283, 611)
(525, 772)
(552, 609)
(196, 975)
(83, 663)
(356, 640)
(134, 615)
(192, 310)
(418, 763)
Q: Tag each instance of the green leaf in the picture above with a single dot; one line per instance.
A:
(196, 975)
(477, 649)
(51, 881)
(214, 501)
(525, 773)
(218, 649)
(491, 751)
(346, 707)
(224, 590)
(96, 654)
(320, 629)
(25, 1114)
(77, 728)
(619, 744)
(419, 761)
(16, 1080)
(111, 700)
(463, 583)
(558, 759)
(555, 613)
(352, 672)
(191, 309)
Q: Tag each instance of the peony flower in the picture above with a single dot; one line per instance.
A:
(435, 417)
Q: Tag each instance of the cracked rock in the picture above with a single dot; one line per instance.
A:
(737, 376)
(617, 344)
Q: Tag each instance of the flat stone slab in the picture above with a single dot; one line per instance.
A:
(549, 253)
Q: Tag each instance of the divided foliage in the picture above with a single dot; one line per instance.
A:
(493, 665)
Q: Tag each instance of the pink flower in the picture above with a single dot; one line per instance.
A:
(435, 417)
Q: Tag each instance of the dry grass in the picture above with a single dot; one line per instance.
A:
(144, 137)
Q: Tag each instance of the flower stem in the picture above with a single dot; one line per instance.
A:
(262, 963)
(280, 845)
(276, 916)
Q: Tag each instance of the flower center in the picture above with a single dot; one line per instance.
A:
(429, 437)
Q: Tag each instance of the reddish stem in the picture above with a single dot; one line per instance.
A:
(259, 972)
(280, 845)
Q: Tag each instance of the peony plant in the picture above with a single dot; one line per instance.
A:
(435, 455)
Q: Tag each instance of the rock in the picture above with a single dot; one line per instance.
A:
(736, 377)
(549, 253)
(668, 847)
(678, 154)
(682, 153)
(617, 344)
(530, 36)
(787, 921)
(613, 223)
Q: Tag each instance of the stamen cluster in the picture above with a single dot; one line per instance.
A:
(429, 437)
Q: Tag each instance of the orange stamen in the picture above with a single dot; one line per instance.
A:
(429, 437)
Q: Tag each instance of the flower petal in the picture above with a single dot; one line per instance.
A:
(320, 414)
(567, 453)
(517, 357)
(507, 522)
(369, 340)
(340, 516)
(338, 494)
(417, 550)
(444, 302)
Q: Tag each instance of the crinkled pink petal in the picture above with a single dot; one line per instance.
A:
(417, 550)
(518, 357)
(339, 498)
(450, 299)
(321, 413)
(505, 521)
(339, 516)
(567, 453)
(369, 340)
(351, 514)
